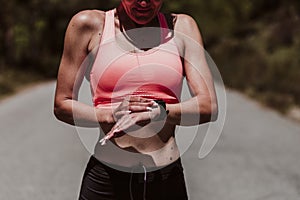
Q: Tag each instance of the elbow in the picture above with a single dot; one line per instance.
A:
(60, 112)
(57, 111)
(209, 111)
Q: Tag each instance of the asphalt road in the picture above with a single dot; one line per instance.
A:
(256, 158)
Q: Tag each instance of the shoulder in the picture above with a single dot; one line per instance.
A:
(187, 30)
(185, 23)
(87, 20)
(86, 28)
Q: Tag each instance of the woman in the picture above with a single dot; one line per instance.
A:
(136, 77)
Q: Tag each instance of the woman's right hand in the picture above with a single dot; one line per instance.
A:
(132, 104)
(132, 111)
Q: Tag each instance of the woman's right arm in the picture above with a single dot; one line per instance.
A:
(82, 35)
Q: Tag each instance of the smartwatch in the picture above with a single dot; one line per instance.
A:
(163, 110)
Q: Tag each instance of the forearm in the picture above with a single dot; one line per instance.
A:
(79, 114)
(195, 111)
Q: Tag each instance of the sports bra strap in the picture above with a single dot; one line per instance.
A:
(166, 32)
(109, 26)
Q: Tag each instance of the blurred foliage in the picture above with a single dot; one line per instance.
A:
(254, 43)
(32, 31)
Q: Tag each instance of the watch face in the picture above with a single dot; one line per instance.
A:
(163, 111)
(161, 103)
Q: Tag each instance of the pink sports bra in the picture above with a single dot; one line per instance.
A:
(155, 74)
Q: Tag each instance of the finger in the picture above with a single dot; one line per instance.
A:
(148, 103)
(118, 125)
(126, 122)
(123, 106)
(134, 99)
(140, 108)
(107, 137)
(104, 140)
(115, 128)
(121, 113)
(121, 125)
(125, 102)
(143, 116)
(139, 99)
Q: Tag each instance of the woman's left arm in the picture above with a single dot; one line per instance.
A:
(203, 106)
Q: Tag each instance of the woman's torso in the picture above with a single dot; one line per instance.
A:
(160, 73)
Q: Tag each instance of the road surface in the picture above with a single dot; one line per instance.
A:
(256, 158)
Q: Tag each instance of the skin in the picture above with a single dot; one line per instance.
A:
(142, 12)
(83, 35)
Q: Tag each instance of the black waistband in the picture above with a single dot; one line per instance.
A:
(152, 174)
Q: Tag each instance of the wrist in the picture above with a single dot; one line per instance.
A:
(105, 116)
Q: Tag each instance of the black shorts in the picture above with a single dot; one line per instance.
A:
(105, 183)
